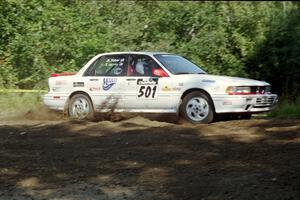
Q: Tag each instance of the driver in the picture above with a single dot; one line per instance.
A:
(140, 67)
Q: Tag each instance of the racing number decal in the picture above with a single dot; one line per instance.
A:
(146, 88)
(147, 91)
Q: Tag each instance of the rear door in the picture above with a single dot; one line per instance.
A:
(106, 80)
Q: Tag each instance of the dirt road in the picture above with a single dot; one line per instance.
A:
(142, 159)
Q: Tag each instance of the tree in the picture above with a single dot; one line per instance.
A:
(252, 39)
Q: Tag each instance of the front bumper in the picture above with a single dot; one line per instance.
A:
(244, 103)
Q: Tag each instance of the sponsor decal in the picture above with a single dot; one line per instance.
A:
(208, 81)
(146, 88)
(94, 88)
(176, 88)
(166, 89)
(227, 103)
(118, 71)
(115, 60)
(60, 82)
(150, 81)
(78, 84)
(108, 83)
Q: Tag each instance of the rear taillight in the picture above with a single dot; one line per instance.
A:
(53, 75)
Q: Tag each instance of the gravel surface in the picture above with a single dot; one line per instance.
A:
(138, 158)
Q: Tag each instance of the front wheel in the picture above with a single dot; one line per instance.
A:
(197, 108)
(80, 107)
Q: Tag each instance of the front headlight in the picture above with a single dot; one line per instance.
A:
(238, 90)
(242, 89)
(247, 90)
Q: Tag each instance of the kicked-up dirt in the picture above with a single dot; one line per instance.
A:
(138, 158)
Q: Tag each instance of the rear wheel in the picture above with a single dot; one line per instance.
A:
(197, 108)
(80, 107)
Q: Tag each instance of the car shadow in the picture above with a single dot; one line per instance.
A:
(117, 160)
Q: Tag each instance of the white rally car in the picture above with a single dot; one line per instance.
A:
(153, 82)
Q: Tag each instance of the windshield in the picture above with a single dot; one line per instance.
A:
(178, 65)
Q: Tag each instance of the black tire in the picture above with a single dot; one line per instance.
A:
(90, 113)
(183, 110)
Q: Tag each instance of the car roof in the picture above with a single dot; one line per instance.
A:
(149, 53)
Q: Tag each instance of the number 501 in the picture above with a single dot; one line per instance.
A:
(147, 91)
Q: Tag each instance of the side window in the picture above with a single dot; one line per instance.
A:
(111, 65)
(141, 65)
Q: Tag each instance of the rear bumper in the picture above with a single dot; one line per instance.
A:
(244, 103)
(55, 101)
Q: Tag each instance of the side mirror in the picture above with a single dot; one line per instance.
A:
(159, 72)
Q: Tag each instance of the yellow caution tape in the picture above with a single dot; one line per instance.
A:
(21, 91)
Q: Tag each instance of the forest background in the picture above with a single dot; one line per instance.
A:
(259, 40)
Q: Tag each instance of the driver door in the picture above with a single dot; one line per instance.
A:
(147, 91)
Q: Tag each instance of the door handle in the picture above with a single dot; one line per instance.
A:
(130, 79)
(94, 79)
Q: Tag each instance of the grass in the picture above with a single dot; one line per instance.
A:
(286, 110)
(18, 104)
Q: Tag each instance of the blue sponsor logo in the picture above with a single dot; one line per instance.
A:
(108, 83)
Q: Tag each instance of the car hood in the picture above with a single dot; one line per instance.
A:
(227, 80)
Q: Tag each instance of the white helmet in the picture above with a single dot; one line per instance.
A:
(139, 67)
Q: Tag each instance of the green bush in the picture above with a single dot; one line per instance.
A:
(18, 104)
(258, 40)
(286, 109)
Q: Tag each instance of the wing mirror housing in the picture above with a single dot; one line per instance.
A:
(159, 72)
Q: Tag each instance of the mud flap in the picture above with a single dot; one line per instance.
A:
(66, 109)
